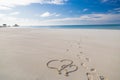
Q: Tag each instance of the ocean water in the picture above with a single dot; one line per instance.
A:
(113, 26)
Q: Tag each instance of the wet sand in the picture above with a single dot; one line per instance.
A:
(59, 54)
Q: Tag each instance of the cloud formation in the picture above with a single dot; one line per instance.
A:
(117, 10)
(14, 13)
(87, 19)
(4, 8)
(84, 10)
(92, 17)
(111, 1)
(48, 14)
(83, 19)
(8, 4)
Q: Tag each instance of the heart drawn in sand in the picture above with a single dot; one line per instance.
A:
(61, 65)
(70, 69)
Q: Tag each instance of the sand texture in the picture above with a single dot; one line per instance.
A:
(59, 54)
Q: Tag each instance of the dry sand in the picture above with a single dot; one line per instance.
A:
(24, 54)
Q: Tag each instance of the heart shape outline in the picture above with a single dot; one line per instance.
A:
(63, 67)
(70, 71)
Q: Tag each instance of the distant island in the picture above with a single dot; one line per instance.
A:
(5, 25)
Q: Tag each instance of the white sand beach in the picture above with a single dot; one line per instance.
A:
(25, 52)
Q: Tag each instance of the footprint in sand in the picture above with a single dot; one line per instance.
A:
(83, 58)
(92, 76)
(84, 61)
(84, 65)
(89, 76)
(87, 59)
(67, 50)
(81, 52)
(93, 70)
(78, 43)
(79, 47)
(103, 78)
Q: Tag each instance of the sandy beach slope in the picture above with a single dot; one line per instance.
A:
(40, 54)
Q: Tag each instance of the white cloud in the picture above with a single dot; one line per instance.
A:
(4, 8)
(117, 9)
(84, 10)
(83, 19)
(88, 19)
(56, 1)
(57, 14)
(8, 4)
(5, 17)
(48, 14)
(111, 1)
(2, 15)
(14, 13)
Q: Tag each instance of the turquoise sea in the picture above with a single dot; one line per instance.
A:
(110, 26)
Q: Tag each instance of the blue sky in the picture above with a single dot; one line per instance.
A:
(59, 12)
